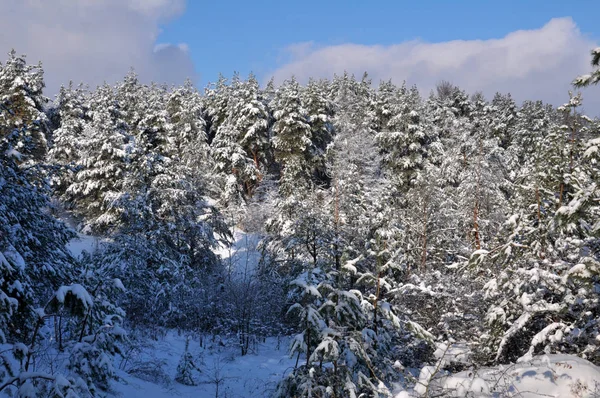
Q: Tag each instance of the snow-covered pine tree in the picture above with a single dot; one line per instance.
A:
(594, 76)
(186, 367)
(145, 212)
(129, 93)
(216, 100)
(352, 166)
(411, 152)
(406, 139)
(32, 243)
(241, 140)
(36, 283)
(292, 139)
(319, 111)
(565, 143)
(150, 146)
(34, 236)
(101, 164)
(385, 104)
(547, 266)
(24, 125)
(504, 118)
(187, 127)
(254, 119)
(531, 130)
(189, 181)
(89, 324)
(72, 111)
(474, 169)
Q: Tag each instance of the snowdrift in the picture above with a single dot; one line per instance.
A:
(542, 376)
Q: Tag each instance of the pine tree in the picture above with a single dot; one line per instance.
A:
(407, 140)
(73, 113)
(188, 181)
(38, 281)
(292, 139)
(594, 77)
(241, 139)
(24, 125)
(504, 118)
(101, 168)
(216, 100)
(546, 266)
(187, 128)
(185, 367)
(319, 111)
(386, 103)
(254, 121)
(129, 94)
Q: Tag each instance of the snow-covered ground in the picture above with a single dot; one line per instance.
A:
(252, 375)
(257, 374)
(542, 376)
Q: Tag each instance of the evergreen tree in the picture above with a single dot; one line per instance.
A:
(24, 125)
(407, 140)
(594, 77)
(72, 109)
(547, 265)
(319, 111)
(39, 281)
(291, 138)
(187, 127)
(186, 367)
(504, 118)
(216, 100)
(241, 140)
(101, 167)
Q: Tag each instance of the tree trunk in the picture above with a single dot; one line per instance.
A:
(477, 198)
(257, 165)
(60, 341)
(476, 226)
(424, 246)
(376, 303)
(561, 190)
(307, 344)
(337, 228)
(539, 216)
(572, 140)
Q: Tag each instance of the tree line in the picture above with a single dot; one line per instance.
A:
(388, 222)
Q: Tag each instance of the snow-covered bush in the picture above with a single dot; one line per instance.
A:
(186, 367)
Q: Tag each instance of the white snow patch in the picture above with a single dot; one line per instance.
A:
(457, 353)
(76, 290)
(83, 243)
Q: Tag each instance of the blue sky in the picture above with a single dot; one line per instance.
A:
(244, 36)
(532, 49)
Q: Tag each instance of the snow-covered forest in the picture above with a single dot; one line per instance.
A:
(371, 240)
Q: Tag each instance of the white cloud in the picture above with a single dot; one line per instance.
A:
(93, 41)
(530, 64)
